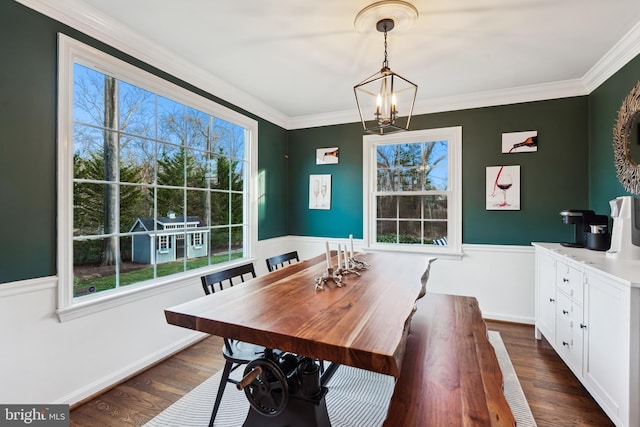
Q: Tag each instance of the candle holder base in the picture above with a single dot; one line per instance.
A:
(348, 270)
(357, 265)
(329, 276)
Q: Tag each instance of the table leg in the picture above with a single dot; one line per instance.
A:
(299, 412)
(328, 373)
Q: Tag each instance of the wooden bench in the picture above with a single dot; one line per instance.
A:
(450, 374)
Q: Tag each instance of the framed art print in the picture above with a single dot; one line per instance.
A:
(327, 156)
(320, 191)
(520, 142)
(503, 188)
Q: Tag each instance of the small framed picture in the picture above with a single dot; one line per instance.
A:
(520, 142)
(327, 156)
(320, 191)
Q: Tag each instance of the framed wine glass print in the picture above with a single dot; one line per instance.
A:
(320, 191)
(327, 156)
(520, 142)
(503, 188)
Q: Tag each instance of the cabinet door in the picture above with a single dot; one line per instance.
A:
(607, 347)
(545, 296)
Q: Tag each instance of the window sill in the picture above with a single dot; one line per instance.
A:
(106, 300)
(438, 251)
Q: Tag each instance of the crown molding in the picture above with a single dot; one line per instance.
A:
(540, 92)
(627, 48)
(515, 95)
(81, 17)
(89, 21)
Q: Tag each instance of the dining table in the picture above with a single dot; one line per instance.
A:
(360, 320)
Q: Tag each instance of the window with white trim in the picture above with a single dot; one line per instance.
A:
(142, 160)
(164, 243)
(413, 192)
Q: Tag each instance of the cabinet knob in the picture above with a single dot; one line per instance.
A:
(565, 280)
(552, 300)
(583, 326)
(565, 343)
(565, 312)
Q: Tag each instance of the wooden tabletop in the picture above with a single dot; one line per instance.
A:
(363, 324)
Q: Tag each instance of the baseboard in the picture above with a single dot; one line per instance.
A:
(101, 386)
(524, 320)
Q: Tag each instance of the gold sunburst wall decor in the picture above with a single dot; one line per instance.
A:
(627, 169)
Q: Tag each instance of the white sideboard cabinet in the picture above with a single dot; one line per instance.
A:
(588, 309)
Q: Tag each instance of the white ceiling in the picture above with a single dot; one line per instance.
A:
(301, 58)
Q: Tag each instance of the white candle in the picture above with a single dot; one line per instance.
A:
(339, 258)
(328, 255)
(346, 261)
(351, 241)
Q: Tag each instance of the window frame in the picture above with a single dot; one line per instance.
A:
(453, 135)
(71, 51)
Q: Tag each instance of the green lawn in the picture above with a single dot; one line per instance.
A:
(146, 273)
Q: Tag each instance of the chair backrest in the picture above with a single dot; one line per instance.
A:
(278, 261)
(219, 278)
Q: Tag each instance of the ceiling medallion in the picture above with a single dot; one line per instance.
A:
(404, 15)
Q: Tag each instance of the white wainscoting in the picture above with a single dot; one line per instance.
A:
(501, 277)
(46, 361)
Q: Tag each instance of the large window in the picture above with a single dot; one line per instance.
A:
(412, 191)
(155, 181)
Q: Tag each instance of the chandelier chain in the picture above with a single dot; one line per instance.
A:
(385, 63)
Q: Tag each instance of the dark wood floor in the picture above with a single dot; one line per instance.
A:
(554, 394)
(556, 397)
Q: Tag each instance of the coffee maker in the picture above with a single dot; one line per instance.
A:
(591, 230)
(625, 239)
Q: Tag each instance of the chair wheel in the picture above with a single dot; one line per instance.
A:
(268, 393)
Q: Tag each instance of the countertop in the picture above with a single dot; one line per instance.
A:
(622, 270)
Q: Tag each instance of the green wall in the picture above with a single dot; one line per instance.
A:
(345, 215)
(573, 167)
(552, 179)
(28, 144)
(604, 103)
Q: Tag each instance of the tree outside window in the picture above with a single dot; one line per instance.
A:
(413, 192)
(141, 158)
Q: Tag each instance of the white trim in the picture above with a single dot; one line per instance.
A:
(474, 247)
(540, 92)
(27, 286)
(627, 48)
(72, 51)
(108, 381)
(105, 300)
(526, 320)
(453, 135)
(86, 19)
(66, 54)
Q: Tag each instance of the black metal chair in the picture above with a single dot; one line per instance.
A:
(279, 260)
(236, 353)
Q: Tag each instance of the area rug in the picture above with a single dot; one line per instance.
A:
(358, 398)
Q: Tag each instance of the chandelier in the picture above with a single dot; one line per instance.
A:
(385, 100)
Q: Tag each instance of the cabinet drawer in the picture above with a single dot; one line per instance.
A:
(569, 332)
(570, 281)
